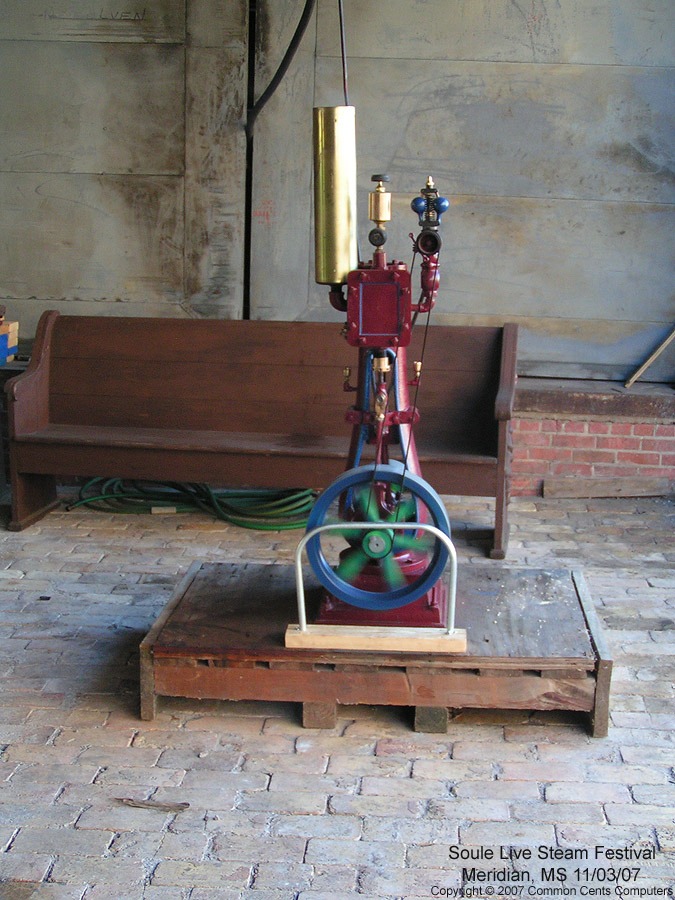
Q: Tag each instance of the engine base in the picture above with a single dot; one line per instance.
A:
(429, 611)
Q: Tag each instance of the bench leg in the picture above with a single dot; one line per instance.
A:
(501, 524)
(32, 498)
(503, 491)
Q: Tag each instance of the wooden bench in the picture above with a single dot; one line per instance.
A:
(242, 403)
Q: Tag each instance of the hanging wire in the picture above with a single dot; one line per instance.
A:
(343, 53)
(417, 386)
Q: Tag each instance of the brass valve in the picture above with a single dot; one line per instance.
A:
(417, 368)
(382, 365)
(346, 376)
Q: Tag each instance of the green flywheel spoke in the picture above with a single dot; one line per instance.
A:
(392, 572)
(406, 511)
(351, 564)
(423, 543)
(365, 503)
(351, 534)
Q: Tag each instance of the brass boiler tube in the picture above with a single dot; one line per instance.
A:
(335, 242)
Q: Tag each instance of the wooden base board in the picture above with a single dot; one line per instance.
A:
(372, 638)
(533, 642)
(566, 486)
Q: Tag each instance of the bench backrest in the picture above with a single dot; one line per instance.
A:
(259, 376)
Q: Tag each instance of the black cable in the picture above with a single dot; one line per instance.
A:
(255, 109)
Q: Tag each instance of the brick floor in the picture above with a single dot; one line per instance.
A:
(370, 809)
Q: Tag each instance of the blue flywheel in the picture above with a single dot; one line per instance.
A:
(382, 556)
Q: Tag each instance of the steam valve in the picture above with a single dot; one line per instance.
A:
(429, 207)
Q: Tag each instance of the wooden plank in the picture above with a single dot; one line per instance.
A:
(219, 23)
(120, 109)
(373, 639)
(530, 242)
(98, 378)
(607, 487)
(593, 623)
(247, 344)
(233, 469)
(90, 20)
(436, 688)
(218, 414)
(589, 400)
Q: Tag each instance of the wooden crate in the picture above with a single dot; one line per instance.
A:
(534, 642)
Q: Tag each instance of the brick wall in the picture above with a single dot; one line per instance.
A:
(589, 448)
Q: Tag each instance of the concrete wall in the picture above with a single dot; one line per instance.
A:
(549, 125)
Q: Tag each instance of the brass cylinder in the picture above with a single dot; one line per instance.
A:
(379, 206)
(335, 243)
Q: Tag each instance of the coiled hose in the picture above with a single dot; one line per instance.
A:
(264, 510)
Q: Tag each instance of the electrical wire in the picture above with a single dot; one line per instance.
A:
(256, 107)
(263, 510)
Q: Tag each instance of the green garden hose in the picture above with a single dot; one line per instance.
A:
(264, 510)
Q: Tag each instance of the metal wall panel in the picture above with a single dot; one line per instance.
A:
(578, 132)
(550, 126)
(93, 20)
(281, 239)
(91, 107)
(599, 32)
(80, 243)
(215, 158)
(122, 157)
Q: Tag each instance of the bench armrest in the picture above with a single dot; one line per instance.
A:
(507, 373)
(28, 393)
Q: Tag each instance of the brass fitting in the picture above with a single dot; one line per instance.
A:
(379, 202)
(380, 407)
(381, 365)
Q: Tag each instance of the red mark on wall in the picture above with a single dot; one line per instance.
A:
(265, 212)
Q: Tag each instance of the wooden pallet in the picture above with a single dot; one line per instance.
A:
(534, 642)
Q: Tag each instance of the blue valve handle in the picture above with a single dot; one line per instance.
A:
(420, 205)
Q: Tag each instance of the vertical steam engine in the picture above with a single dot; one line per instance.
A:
(379, 575)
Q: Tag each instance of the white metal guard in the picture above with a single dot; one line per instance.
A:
(369, 526)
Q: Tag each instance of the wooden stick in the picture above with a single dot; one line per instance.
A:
(645, 365)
